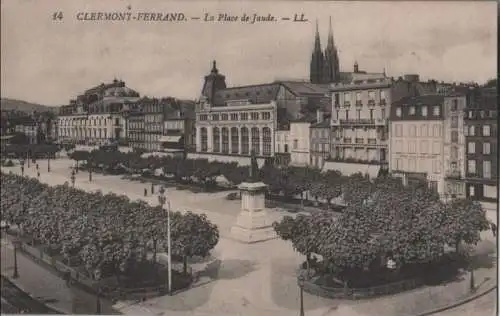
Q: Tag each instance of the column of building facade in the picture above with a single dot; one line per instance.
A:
(210, 142)
(198, 139)
(250, 141)
(220, 139)
(261, 141)
(230, 140)
(239, 141)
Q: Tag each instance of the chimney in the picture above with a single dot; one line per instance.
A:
(319, 116)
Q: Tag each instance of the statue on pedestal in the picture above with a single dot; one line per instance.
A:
(254, 169)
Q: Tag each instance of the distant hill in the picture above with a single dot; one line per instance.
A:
(23, 106)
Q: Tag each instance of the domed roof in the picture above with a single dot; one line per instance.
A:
(120, 92)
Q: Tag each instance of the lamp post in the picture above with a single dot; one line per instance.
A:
(73, 178)
(90, 169)
(162, 199)
(48, 164)
(301, 279)
(472, 288)
(98, 301)
(16, 244)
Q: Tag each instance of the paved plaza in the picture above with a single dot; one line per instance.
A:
(254, 279)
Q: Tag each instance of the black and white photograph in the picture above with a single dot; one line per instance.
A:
(260, 158)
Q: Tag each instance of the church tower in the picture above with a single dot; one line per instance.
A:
(331, 70)
(213, 82)
(316, 68)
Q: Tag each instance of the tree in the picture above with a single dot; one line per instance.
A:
(193, 235)
(79, 155)
(464, 221)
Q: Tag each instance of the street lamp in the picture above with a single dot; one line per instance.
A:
(98, 301)
(48, 164)
(89, 162)
(73, 178)
(162, 199)
(301, 279)
(472, 287)
(21, 162)
(16, 244)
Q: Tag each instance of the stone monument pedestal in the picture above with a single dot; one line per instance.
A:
(253, 223)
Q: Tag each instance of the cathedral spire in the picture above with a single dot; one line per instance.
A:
(214, 67)
(317, 41)
(331, 43)
(316, 68)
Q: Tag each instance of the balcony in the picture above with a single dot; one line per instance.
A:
(363, 122)
(372, 141)
(347, 140)
(359, 103)
(371, 102)
(453, 174)
(359, 141)
(347, 104)
(383, 102)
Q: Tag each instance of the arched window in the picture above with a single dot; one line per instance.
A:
(225, 140)
(256, 140)
(234, 141)
(216, 140)
(244, 141)
(266, 138)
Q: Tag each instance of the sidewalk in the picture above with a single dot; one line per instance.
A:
(47, 287)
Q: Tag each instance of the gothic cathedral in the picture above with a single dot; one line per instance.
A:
(324, 66)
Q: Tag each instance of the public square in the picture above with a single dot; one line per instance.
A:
(255, 279)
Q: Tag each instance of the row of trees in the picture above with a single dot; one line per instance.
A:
(384, 219)
(105, 233)
(31, 150)
(287, 181)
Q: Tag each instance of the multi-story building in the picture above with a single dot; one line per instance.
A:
(300, 137)
(481, 132)
(135, 127)
(98, 115)
(282, 156)
(153, 110)
(320, 140)
(32, 129)
(179, 132)
(360, 110)
(427, 141)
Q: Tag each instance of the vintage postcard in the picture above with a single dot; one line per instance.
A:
(266, 158)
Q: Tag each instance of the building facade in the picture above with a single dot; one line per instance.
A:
(320, 141)
(360, 110)
(427, 141)
(179, 131)
(98, 115)
(481, 118)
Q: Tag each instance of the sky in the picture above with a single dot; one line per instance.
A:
(49, 62)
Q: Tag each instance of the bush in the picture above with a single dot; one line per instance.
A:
(7, 163)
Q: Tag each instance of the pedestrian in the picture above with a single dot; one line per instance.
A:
(37, 167)
(152, 188)
(145, 192)
(38, 174)
(494, 229)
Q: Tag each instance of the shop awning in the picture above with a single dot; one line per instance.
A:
(170, 139)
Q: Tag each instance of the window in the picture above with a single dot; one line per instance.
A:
(424, 146)
(347, 98)
(234, 116)
(399, 130)
(382, 114)
(471, 114)
(216, 140)
(204, 139)
(295, 144)
(254, 116)
(436, 166)
(255, 140)
(244, 116)
(337, 99)
(471, 148)
(486, 148)
(398, 112)
(371, 115)
(215, 117)
(454, 121)
(286, 148)
(266, 115)
(472, 131)
(382, 95)
(358, 114)
(412, 110)
(436, 148)
(472, 190)
(224, 117)
(371, 95)
(423, 130)
(412, 148)
(412, 165)
(399, 146)
(347, 115)
(433, 185)
(234, 140)
(245, 141)
(471, 166)
(454, 153)
(436, 110)
(266, 138)
(358, 97)
(486, 130)
(454, 136)
(225, 140)
(487, 169)
(413, 130)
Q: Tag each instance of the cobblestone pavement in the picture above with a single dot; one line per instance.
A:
(255, 279)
